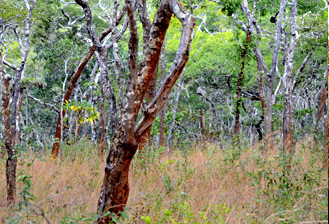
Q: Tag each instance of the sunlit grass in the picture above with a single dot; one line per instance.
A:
(230, 185)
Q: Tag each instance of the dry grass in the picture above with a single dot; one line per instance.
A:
(211, 186)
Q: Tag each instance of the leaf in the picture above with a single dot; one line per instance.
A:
(146, 219)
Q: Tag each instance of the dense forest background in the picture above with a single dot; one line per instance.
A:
(242, 137)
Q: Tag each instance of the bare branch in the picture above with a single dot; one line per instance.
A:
(70, 23)
(118, 63)
(300, 70)
(49, 105)
(89, 21)
(146, 22)
(10, 65)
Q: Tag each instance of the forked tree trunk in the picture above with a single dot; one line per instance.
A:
(115, 189)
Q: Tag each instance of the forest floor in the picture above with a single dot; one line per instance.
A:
(213, 185)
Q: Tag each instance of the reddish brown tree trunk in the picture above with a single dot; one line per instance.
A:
(326, 142)
(322, 101)
(115, 189)
(150, 94)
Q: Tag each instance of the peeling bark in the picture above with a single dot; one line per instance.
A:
(115, 189)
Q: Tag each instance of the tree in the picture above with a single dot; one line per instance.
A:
(85, 112)
(75, 77)
(130, 131)
(12, 115)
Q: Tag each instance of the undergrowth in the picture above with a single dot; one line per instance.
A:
(195, 185)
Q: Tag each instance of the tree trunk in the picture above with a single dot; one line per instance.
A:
(322, 101)
(11, 163)
(271, 75)
(322, 98)
(76, 137)
(115, 189)
(102, 122)
(289, 65)
(203, 128)
(17, 140)
(73, 81)
(239, 85)
(260, 83)
(163, 110)
(326, 142)
(150, 94)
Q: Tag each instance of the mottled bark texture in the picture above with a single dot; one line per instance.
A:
(11, 163)
(288, 81)
(271, 75)
(128, 135)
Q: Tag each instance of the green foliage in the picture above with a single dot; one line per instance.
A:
(10, 10)
(285, 187)
(32, 83)
(230, 6)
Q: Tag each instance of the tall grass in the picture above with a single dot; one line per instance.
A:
(229, 185)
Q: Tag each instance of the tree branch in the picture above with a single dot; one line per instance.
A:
(43, 103)
(188, 22)
(300, 70)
